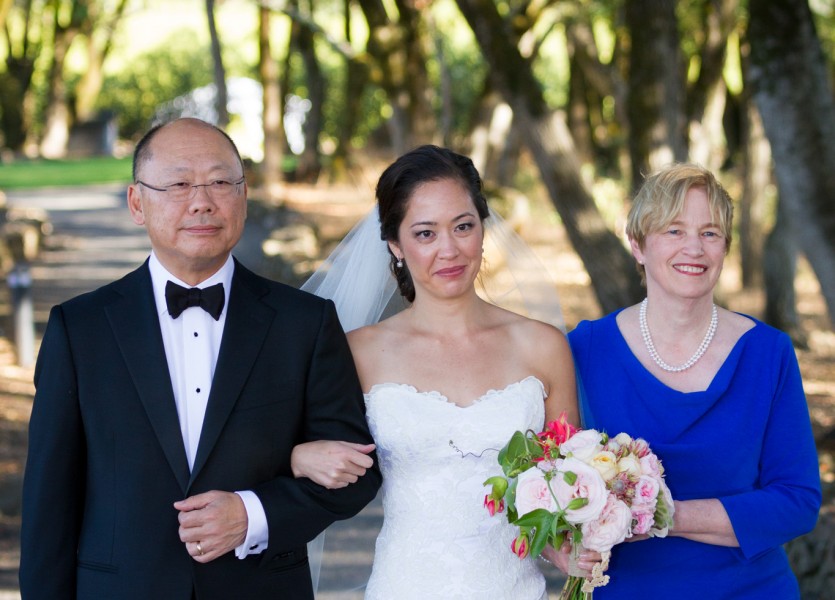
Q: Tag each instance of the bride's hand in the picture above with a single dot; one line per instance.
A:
(559, 558)
(330, 463)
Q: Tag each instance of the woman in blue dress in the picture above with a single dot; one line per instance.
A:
(717, 395)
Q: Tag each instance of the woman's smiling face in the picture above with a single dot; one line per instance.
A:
(684, 259)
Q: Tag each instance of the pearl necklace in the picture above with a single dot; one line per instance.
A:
(711, 330)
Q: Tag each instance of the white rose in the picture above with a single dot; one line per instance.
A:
(624, 439)
(606, 464)
(582, 445)
(588, 484)
(630, 464)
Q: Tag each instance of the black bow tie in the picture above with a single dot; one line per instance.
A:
(210, 299)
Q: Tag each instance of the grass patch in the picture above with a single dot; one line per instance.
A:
(22, 174)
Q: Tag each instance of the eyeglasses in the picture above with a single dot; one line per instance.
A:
(219, 189)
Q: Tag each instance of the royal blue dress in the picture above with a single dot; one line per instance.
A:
(746, 440)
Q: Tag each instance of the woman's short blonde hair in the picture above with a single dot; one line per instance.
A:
(660, 200)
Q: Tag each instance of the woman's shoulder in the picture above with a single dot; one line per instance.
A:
(386, 333)
(761, 338)
(531, 331)
(602, 325)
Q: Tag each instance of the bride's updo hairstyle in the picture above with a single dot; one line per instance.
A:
(403, 177)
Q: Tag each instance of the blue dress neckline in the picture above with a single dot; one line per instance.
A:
(644, 377)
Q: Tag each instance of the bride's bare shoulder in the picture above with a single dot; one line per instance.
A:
(374, 335)
(370, 347)
(531, 330)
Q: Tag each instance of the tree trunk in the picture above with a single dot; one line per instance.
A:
(356, 76)
(579, 95)
(546, 135)
(273, 126)
(780, 267)
(57, 111)
(16, 99)
(221, 93)
(400, 69)
(492, 136)
(706, 97)
(752, 204)
(88, 88)
(310, 163)
(656, 87)
(794, 95)
(15, 83)
(5, 5)
(420, 91)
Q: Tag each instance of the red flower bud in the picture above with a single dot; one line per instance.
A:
(492, 505)
(520, 546)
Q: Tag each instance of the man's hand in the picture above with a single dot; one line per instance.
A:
(211, 524)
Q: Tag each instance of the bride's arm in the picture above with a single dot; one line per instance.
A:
(332, 464)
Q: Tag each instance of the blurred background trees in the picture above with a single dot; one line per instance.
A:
(567, 102)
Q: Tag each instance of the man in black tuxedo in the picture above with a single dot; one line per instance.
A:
(168, 404)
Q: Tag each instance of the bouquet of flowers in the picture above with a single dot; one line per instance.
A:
(579, 485)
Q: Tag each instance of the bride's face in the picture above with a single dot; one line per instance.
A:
(440, 239)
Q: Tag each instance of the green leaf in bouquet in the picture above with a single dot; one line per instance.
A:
(538, 518)
(569, 477)
(540, 521)
(510, 499)
(517, 455)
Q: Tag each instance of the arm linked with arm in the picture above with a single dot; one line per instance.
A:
(298, 509)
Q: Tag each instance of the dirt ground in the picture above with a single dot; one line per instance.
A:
(817, 365)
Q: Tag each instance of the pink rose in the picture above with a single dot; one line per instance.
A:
(643, 521)
(650, 465)
(532, 492)
(611, 528)
(640, 447)
(646, 491)
(587, 484)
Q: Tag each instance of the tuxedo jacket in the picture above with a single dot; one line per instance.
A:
(106, 457)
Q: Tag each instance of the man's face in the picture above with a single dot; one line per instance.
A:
(191, 237)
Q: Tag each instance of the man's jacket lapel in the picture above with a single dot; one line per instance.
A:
(136, 328)
(248, 320)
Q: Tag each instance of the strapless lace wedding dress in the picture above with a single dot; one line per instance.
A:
(438, 541)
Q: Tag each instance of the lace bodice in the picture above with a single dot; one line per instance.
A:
(438, 540)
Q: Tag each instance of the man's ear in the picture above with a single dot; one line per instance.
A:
(135, 204)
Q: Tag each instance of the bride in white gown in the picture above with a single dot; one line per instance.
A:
(447, 380)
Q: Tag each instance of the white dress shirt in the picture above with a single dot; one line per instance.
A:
(192, 343)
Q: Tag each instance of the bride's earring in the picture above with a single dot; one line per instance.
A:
(399, 263)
